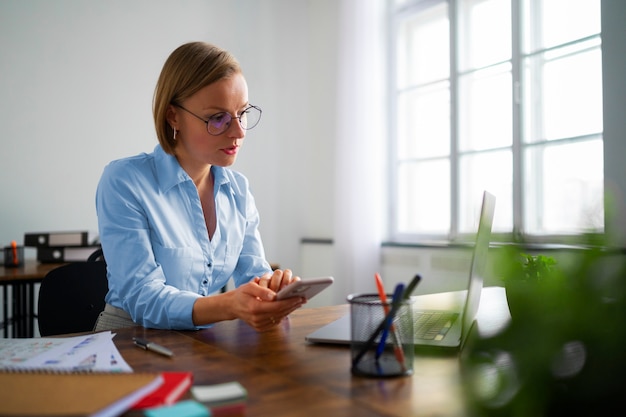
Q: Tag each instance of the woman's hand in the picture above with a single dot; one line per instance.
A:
(258, 305)
(277, 280)
(254, 302)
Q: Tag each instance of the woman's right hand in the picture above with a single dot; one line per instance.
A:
(255, 304)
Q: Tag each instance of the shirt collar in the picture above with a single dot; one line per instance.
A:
(169, 172)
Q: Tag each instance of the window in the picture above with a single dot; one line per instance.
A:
(503, 95)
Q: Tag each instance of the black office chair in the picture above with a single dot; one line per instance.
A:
(72, 296)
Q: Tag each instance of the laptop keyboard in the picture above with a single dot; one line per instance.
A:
(433, 325)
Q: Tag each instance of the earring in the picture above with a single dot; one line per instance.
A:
(174, 134)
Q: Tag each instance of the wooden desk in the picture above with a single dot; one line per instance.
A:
(22, 282)
(286, 376)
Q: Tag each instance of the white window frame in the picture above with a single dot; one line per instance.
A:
(411, 7)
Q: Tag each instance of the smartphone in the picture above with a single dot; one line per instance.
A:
(306, 287)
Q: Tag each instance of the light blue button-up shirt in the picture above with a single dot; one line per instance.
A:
(156, 244)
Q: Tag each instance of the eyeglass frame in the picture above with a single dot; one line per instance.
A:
(250, 106)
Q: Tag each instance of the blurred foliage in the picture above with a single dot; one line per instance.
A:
(564, 351)
(531, 268)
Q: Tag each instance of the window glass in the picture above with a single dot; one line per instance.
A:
(424, 198)
(485, 32)
(568, 85)
(485, 113)
(492, 171)
(423, 47)
(564, 188)
(424, 122)
(556, 22)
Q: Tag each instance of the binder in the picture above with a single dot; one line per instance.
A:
(56, 239)
(65, 254)
(47, 393)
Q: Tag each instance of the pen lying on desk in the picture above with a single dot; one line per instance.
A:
(147, 345)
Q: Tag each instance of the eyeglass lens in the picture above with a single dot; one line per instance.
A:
(220, 122)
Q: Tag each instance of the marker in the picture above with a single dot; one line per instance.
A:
(397, 348)
(147, 345)
(14, 247)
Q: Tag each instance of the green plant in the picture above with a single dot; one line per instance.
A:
(562, 354)
(525, 277)
(537, 267)
(527, 267)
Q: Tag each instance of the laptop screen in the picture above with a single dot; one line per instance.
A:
(479, 263)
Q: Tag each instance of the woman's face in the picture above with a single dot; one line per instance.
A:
(195, 145)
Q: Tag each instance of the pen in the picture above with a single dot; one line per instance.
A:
(147, 345)
(397, 347)
(397, 300)
(411, 287)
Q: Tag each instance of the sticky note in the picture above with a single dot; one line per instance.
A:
(228, 391)
(187, 408)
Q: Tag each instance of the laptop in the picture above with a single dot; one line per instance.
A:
(445, 329)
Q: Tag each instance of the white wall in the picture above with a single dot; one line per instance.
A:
(76, 84)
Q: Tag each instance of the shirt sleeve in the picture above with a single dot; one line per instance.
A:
(137, 283)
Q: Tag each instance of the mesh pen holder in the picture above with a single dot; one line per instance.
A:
(13, 256)
(369, 357)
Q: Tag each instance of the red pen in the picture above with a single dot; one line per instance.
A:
(397, 348)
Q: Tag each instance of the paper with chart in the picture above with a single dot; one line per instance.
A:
(93, 352)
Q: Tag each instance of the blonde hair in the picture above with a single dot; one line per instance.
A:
(189, 68)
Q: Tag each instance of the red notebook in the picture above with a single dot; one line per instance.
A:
(174, 385)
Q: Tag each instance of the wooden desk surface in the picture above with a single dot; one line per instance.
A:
(32, 270)
(287, 376)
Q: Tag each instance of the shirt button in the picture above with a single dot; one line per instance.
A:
(205, 281)
(209, 264)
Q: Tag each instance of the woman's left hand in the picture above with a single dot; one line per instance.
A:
(277, 280)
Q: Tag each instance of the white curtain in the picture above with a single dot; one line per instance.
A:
(361, 160)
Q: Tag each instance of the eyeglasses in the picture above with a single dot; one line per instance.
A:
(220, 122)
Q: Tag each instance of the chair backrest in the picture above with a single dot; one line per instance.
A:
(71, 297)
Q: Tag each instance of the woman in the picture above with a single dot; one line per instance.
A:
(177, 224)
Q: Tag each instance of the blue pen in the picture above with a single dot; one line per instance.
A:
(396, 300)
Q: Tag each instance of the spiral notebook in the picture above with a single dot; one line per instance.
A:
(69, 376)
(58, 393)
